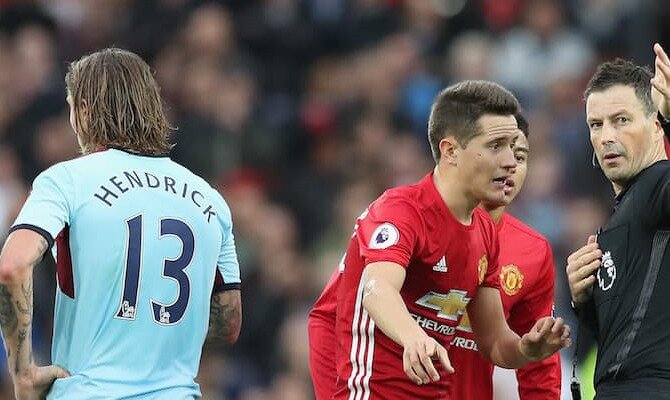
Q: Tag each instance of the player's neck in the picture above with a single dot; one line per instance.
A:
(457, 201)
(496, 213)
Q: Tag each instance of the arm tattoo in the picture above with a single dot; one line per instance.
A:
(224, 320)
(43, 247)
(27, 293)
(8, 318)
(16, 312)
(19, 347)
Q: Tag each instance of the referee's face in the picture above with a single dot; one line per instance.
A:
(623, 134)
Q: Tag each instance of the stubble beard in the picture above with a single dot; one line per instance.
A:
(619, 175)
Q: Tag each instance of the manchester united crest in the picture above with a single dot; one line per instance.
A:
(482, 267)
(511, 279)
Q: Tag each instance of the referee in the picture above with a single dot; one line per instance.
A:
(620, 280)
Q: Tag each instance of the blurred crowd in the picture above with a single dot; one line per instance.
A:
(303, 111)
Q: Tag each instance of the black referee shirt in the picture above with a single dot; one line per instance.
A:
(630, 306)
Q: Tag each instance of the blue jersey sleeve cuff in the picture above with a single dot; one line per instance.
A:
(46, 235)
(226, 286)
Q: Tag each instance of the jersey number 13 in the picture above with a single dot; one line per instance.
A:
(164, 314)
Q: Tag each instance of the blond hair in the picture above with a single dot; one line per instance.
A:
(122, 101)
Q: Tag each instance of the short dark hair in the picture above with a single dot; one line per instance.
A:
(522, 123)
(457, 109)
(623, 72)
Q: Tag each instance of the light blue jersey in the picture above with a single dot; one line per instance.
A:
(139, 241)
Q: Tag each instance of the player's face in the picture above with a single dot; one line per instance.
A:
(621, 132)
(514, 184)
(488, 162)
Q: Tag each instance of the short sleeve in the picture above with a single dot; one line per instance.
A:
(539, 301)
(47, 209)
(490, 266)
(539, 380)
(228, 268)
(389, 231)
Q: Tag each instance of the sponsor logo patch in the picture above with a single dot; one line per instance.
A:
(464, 343)
(386, 235)
(607, 272)
(450, 306)
(441, 265)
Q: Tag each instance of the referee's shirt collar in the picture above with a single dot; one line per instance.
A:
(619, 197)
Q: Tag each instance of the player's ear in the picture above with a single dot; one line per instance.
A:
(659, 133)
(84, 108)
(449, 150)
(83, 112)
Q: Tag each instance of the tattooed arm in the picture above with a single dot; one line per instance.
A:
(225, 317)
(22, 250)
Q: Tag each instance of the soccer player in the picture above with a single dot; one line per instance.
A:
(144, 249)
(420, 253)
(527, 291)
(322, 339)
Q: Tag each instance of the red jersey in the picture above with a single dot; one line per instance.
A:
(321, 329)
(445, 263)
(527, 293)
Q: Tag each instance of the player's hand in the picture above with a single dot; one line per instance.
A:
(660, 83)
(547, 336)
(34, 383)
(417, 360)
(582, 265)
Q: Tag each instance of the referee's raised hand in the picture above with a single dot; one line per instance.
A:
(582, 264)
(660, 83)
